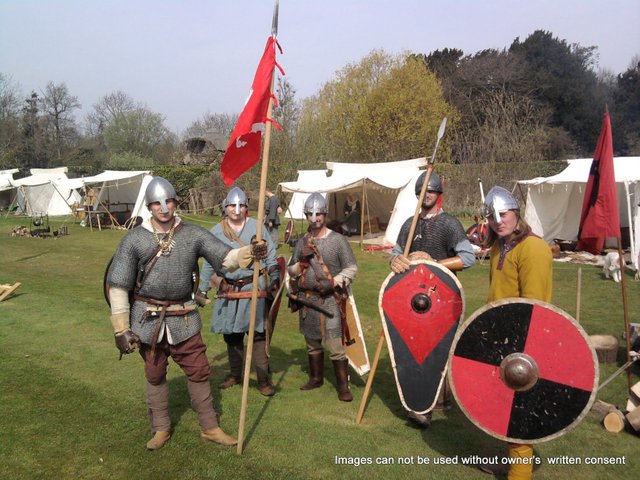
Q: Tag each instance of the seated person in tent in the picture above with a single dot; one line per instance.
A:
(438, 237)
(351, 223)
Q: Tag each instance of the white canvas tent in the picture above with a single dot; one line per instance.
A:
(554, 204)
(295, 207)
(119, 192)
(386, 190)
(47, 191)
(7, 190)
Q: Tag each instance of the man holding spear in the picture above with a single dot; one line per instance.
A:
(438, 237)
(243, 151)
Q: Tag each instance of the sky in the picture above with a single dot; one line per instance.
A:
(186, 58)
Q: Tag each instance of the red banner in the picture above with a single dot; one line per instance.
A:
(243, 151)
(600, 215)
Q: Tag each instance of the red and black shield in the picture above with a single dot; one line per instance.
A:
(523, 370)
(420, 311)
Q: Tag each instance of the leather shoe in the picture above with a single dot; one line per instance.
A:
(230, 381)
(216, 435)
(158, 440)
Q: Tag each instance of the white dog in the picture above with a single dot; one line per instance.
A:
(612, 266)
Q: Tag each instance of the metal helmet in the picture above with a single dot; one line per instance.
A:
(435, 184)
(314, 204)
(237, 197)
(159, 190)
(497, 201)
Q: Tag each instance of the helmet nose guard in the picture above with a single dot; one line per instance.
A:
(237, 197)
(497, 201)
(314, 205)
(159, 190)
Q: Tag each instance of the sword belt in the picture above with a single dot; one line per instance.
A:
(165, 308)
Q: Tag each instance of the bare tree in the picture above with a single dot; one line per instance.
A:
(106, 110)
(9, 120)
(58, 105)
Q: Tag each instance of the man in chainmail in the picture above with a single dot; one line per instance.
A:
(322, 266)
(271, 218)
(231, 311)
(152, 306)
(438, 237)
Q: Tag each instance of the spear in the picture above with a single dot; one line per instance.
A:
(407, 249)
(256, 265)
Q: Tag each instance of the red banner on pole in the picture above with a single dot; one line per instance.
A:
(600, 215)
(243, 151)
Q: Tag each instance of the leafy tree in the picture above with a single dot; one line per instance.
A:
(565, 80)
(383, 108)
(138, 131)
(625, 111)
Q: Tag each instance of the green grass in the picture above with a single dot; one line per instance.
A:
(70, 409)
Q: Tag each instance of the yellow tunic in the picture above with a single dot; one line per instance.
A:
(526, 271)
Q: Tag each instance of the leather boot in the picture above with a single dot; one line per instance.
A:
(236, 358)
(316, 372)
(261, 364)
(158, 408)
(342, 380)
(202, 403)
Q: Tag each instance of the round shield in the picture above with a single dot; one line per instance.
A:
(523, 370)
(288, 231)
(420, 311)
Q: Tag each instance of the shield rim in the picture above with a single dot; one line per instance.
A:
(549, 306)
(288, 231)
(365, 368)
(386, 332)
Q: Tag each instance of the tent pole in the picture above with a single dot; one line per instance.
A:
(625, 310)
(632, 246)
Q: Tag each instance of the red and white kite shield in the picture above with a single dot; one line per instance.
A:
(420, 310)
(523, 370)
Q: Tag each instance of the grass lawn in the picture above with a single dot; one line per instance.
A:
(69, 409)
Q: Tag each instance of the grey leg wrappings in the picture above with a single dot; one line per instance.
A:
(158, 407)
(202, 403)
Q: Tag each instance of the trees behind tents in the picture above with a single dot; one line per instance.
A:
(537, 101)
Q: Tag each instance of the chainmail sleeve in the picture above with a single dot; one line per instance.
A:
(129, 255)
(211, 248)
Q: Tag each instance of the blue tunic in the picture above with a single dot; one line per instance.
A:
(232, 316)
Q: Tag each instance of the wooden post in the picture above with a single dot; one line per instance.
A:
(256, 275)
(625, 309)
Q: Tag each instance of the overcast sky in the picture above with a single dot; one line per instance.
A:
(184, 58)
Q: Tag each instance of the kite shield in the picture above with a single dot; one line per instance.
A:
(420, 311)
(523, 370)
(356, 350)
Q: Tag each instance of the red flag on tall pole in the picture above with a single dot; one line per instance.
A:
(243, 151)
(600, 215)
